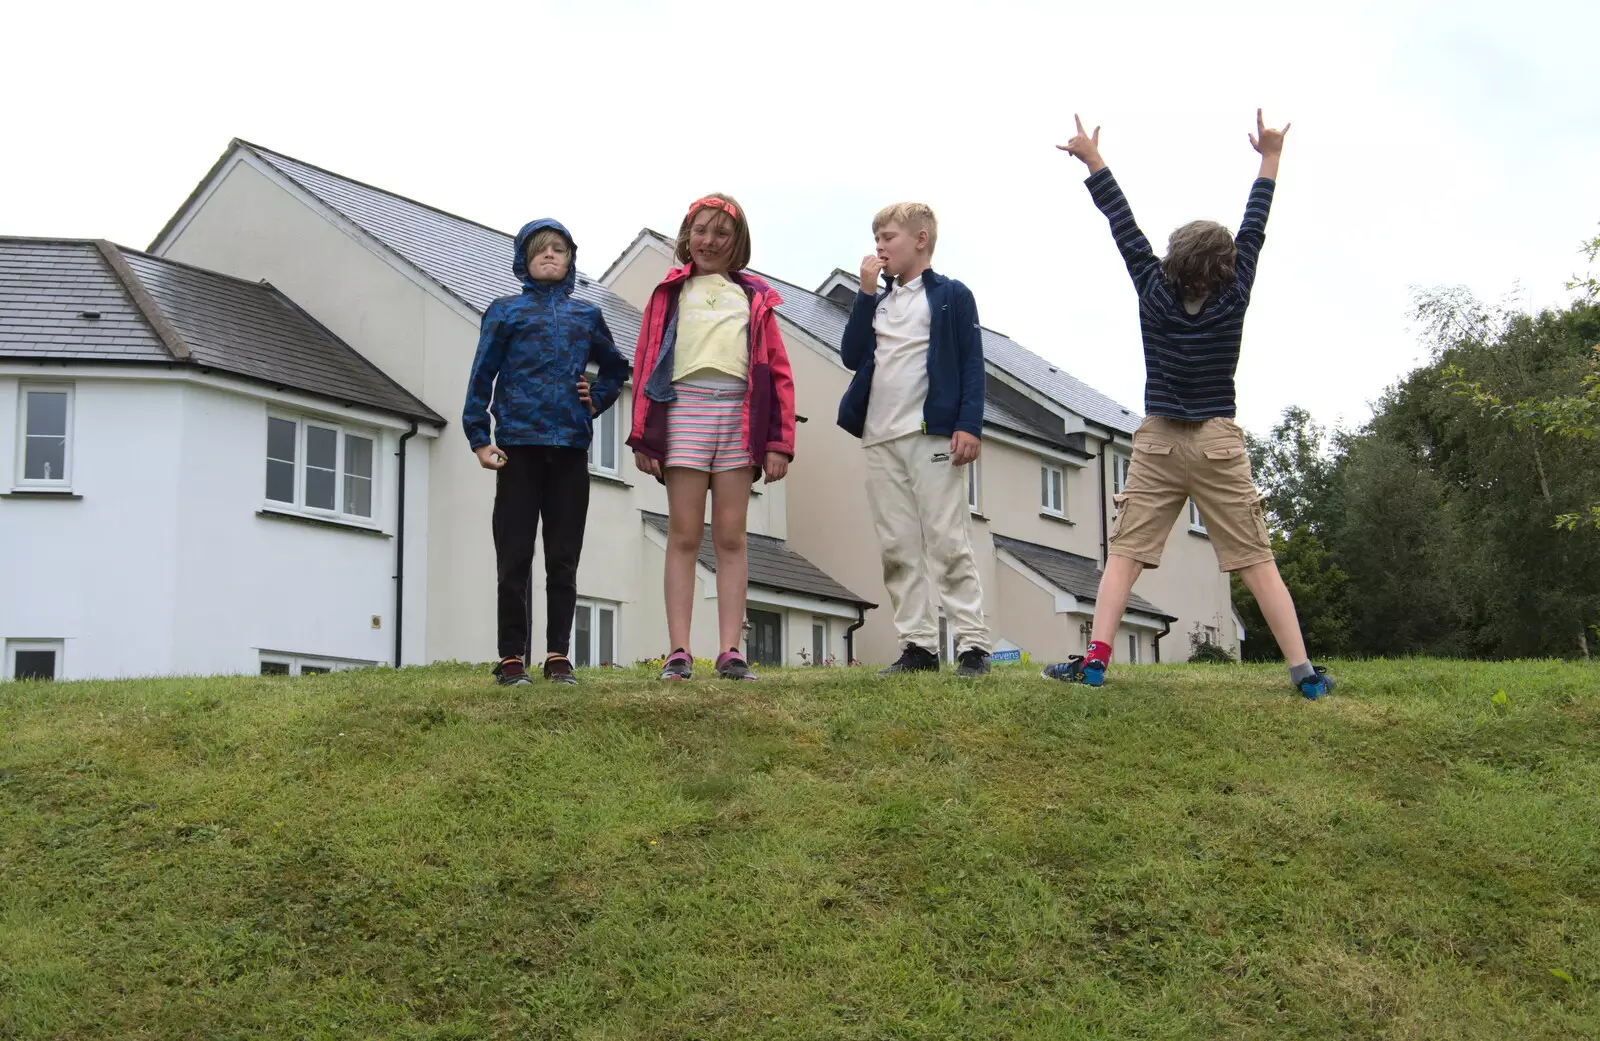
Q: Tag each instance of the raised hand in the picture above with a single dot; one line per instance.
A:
(1085, 146)
(1266, 140)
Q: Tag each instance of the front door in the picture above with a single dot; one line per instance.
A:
(764, 645)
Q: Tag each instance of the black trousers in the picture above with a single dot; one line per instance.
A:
(552, 484)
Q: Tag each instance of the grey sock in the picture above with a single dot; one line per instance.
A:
(1304, 671)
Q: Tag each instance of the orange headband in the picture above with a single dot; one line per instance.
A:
(721, 204)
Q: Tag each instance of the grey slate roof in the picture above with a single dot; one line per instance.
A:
(825, 319)
(469, 260)
(45, 285)
(221, 323)
(1077, 575)
(773, 565)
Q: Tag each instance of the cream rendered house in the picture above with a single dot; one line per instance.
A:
(1055, 455)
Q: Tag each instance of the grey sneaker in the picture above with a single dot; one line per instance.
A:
(559, 670)
(973, 663)
(732, 666)
(511, 673)
(679, 666)
(913, 659)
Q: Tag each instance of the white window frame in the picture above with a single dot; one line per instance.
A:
(298, 663)
(1058, 509)
(1121, 463)
(1197, 523)
(975, 487)
(610, 419)
(1133, 649)
(342, 431)
(59, 647)
(819, 656)
(55, 484)
(596, 607)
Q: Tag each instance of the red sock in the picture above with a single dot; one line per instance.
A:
(1099, 651)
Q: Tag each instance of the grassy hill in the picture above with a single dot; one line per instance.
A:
(1190, 852)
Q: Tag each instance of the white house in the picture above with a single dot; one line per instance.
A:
(197, 477)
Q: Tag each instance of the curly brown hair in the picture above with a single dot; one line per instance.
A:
(740, 258)
(1200, 258)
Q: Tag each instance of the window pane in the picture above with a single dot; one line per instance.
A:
(322, 447)
(274, 668)
(280, 481)
(1044, 486)
(45, 458)
(319, 489)
(314, 670)
(357, 456)
(582, 628)
(1055, 490)
(280, 439)
(35, 665)
(608, 440)
(47, 412)
(358, 495)
(605, 651)
(322, 455)
(972, 485)
(819, 643)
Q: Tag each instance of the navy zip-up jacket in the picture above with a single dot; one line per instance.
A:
(531, 351)
(955, 359)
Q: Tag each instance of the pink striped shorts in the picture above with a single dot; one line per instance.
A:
(703, 426)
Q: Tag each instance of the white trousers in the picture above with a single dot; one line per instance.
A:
(919, 508)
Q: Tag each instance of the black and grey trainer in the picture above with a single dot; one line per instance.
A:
(913, 659)
(973, 662)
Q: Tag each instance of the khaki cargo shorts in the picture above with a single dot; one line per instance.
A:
(1174, 461)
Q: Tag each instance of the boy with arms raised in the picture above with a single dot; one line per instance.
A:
(1191, 316)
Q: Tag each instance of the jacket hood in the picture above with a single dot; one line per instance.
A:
(519, 262)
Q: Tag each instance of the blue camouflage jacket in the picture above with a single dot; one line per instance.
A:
(531, 351)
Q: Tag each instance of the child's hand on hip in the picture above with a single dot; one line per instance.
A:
(1086, 147)
(490, 457)
(777, 467)
(583, 394)
(964, 448)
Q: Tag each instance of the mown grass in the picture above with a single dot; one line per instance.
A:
(1189, 852)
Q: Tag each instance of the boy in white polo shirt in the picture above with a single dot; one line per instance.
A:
(916, 402)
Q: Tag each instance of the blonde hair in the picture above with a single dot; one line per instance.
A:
(913, 217)
(739, 258)
(543, 238)
(1200, 258)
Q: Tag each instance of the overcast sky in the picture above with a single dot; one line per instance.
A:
(1449, 143)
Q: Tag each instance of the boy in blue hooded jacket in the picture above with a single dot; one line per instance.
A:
(533, 355)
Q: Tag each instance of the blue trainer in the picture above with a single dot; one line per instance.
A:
(1316, 687)
(1076, 670)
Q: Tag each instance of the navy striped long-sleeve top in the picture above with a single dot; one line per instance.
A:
(1189, 359)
